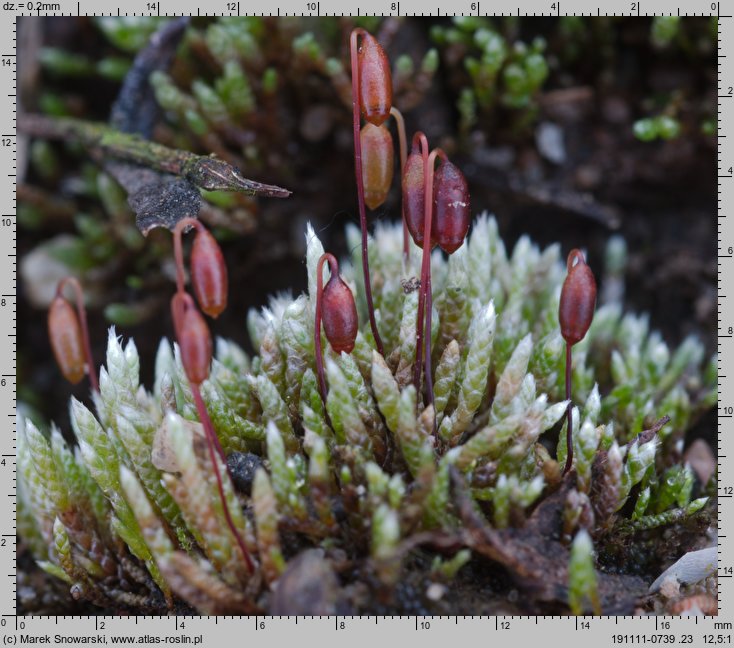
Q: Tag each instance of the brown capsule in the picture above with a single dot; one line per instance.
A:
(65, 334)
(377, 164)
(413, 196)
(578, 298)
(208, 273)
(451, 207)
(339, 315)
(196, 345)
(375, 81)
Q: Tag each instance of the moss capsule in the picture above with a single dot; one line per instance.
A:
(375, 81)
(67, 343)
(377, 164)
(451, 207)
(578, 298)
(413, 196)
(208, 273)
(196, 345)
(339, 315)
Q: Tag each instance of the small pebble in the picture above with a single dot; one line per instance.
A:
(307, 587)
(435, 591)
(549, 140)
(701, 459)
(690, 568)
(242, 467)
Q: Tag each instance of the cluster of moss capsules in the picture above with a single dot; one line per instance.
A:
(334, 465)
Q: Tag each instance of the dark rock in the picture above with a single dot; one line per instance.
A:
(242, 467)
(307, 587)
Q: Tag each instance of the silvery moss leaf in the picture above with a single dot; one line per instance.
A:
(386, 490)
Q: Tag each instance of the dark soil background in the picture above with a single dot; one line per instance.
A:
(660, 196)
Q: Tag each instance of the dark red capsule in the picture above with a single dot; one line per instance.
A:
(196, 345)
(414, 200)
(208, 273)
(375, 81)
(377, 163)
(451, 207)
(339, 315)
(578, 298)
(65, 334)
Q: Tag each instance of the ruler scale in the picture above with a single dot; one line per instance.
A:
(8, 320)
(364, 631)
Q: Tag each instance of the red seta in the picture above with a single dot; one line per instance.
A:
(575, 314)
(436, 208)
(371, 97)
(195, 343)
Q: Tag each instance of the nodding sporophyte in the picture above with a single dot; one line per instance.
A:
(371, 98)
(209, 279)
(208, 270)
(436, 208)
(69, 335)
(575, 313)
(335, 308)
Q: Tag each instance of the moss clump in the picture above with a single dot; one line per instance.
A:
(362, 479)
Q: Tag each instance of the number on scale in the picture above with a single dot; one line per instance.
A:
(43, 6)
